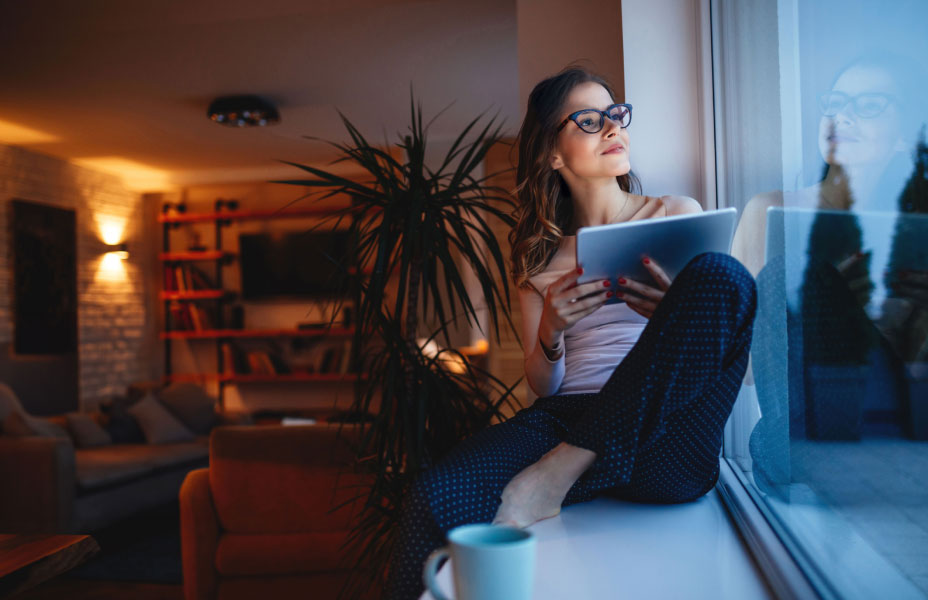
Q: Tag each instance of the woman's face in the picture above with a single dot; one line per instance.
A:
(849, 139)
(581, 154)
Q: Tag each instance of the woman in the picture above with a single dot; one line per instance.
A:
(633, 396)
(845, 334)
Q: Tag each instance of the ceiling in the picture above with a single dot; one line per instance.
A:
(124, 85)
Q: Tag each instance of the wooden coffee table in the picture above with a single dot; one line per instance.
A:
(28, 559)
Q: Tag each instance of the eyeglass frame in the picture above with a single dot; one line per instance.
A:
(852, 100)
(603, 115)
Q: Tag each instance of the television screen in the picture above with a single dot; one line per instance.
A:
(298, 265)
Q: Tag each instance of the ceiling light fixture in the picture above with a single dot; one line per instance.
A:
(243, 111)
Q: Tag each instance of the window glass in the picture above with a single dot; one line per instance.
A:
(821, 108)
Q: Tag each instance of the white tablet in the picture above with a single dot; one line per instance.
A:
(615, 250)
(894, 241)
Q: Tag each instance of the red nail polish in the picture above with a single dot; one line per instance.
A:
(606, 284)
(646, 261)
(622, 280)
(580, 270)
(619, 295)
(609, 294)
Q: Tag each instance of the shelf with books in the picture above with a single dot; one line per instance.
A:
(260, 377)
(247, 215)
(191, 377)
(256, 333)
(195, 295)
(188, 278)
(196, 255)
(329, 356)
(196, 274)
(290, 377)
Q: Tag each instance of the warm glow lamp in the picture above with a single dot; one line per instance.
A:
(118, 250)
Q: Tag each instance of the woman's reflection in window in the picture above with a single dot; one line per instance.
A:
(847, 354)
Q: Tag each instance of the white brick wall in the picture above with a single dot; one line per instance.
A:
(116, 332)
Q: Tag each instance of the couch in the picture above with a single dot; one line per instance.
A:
(269, 517)
(53, 485)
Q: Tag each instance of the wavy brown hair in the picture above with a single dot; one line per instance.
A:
(545, 209)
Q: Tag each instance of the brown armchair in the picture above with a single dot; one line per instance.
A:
(258, 523)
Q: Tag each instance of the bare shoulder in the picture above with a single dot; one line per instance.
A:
(761, 202)
(680, 205)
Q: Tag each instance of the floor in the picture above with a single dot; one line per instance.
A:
(139, 559)
(613, 549)
(82, 589)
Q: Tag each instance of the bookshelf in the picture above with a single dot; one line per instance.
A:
(195, 302)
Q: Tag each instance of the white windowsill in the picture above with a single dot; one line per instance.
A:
(612, 549)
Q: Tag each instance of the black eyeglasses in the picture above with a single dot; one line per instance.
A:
(591, 120)
(866, 106)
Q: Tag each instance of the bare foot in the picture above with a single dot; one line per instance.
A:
(538, 490)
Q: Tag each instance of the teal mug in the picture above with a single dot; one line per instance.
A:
(488, 562)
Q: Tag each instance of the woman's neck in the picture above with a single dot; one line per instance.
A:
(598, 202)
(862, 184)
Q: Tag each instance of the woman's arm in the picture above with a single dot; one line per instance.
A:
(543, 374)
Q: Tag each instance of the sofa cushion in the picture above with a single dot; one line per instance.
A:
(159, 425)
(9, 402)
(121, 426)
(107, 465)
(281, 553)
(191, 405)
(138, 390)
(19, 424)
(86, 432)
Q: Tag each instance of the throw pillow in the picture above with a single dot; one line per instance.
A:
(138, 390)
(18, 424)
(191, 405)
(121, 426)
(86, 432)
(9, 403)
(159, 425)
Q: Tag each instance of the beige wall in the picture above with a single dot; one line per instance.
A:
(554, 33)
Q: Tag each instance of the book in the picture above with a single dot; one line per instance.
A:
(169, 285)
(194, 317)
(254, 363)
(280, 365)
(199, 279)
(346, 357)
(179, 279)
(228, 359)
(266, 363)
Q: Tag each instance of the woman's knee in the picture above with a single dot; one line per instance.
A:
(723, 276)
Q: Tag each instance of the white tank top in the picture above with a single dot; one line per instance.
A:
(596, 344)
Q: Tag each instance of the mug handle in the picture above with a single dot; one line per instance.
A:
(431, 570)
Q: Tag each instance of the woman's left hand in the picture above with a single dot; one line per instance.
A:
(645, 298)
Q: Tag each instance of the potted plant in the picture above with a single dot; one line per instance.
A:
(417, 228)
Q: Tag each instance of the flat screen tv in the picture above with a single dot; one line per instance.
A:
(292, 265)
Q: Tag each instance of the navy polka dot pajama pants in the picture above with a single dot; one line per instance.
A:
(656, 425)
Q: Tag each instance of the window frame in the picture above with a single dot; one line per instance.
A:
(770, 546)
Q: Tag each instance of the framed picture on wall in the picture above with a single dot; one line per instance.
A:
(44, 278)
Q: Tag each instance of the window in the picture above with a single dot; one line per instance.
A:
(820, 110)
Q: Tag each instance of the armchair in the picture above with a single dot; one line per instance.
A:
(259, 522)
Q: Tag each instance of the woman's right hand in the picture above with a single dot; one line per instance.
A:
(566, 303)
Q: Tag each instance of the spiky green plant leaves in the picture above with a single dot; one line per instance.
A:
(419, 229)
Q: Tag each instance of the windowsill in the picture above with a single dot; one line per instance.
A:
(607, 549)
